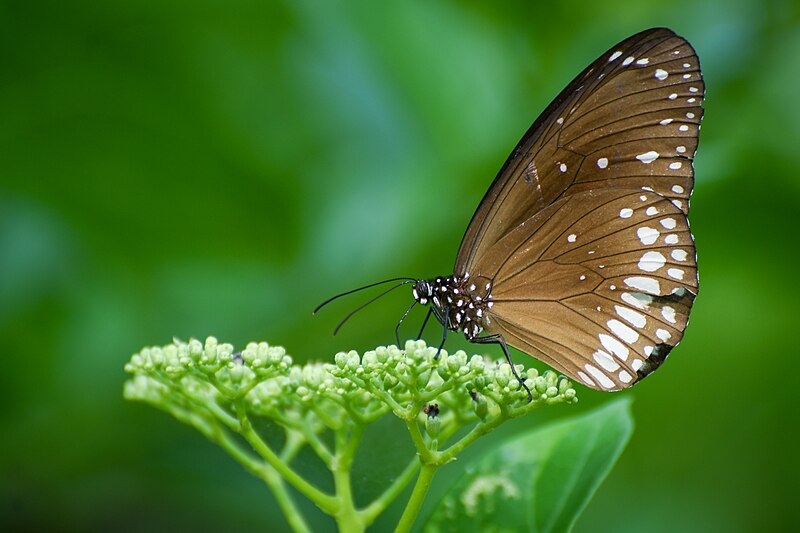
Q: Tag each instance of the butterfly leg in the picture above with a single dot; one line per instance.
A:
(445, 323)
(425, 323)
(499, 339)
(400, 322)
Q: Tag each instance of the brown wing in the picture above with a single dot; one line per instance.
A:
(598, 285)
(631, 119)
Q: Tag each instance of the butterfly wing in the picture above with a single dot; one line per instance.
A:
(598, 285)
(631, 119)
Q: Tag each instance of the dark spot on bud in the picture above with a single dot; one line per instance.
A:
(431, 409)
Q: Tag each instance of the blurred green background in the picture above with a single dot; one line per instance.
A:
(194, 168)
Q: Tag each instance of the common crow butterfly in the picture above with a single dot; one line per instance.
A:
(580, 252)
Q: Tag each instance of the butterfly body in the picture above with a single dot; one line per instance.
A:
(462, 303)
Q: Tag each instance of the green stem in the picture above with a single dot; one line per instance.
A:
(425, 454)
(373, 510)
(347, 517)
(417, 498)
(329, 504)
(290, 511)
(267, 473)
(480, 429)
(313, 440)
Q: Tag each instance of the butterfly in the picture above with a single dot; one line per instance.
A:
(580, 253)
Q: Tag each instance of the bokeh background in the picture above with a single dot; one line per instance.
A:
(193, 168)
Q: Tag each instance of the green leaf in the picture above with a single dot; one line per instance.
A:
(540, 481)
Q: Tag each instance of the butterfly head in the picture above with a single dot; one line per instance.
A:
(422, 291)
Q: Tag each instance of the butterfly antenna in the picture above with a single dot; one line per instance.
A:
(329, 300)
(362, 306)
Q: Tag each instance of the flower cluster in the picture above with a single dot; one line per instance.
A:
(327, 406)
(364, 387)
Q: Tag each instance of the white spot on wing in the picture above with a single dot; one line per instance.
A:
(571, 238)
(647, 235)
(669, 313)
(628, 61)
(625, 213)
(599, 376)
(676, 165)
(676, 273)
(602, 162)
(673, 96)
(562, 167)
(648, 350)
(636, 364)
(652, 261)
(585, 378)
(663, 334)
(637, 299)
(644, 284)
(623, 331)
(680, 149)
(615, 55)
(605, 360)
(648, 157)
(624, 376)
(679, 255)
(677, 189)
(634, 317)
(614, 346)
(651, 211)
(661, 74)
(668, 223)
(665, 121)
(671, 239)
(643, 61)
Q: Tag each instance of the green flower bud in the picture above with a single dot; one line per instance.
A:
(341, 359)
(432, 423)
(195, 348)
(479, 404)
(277, 355)
(503, 375)
(453, 364)
(370, 361)
(424, 377)
(382, 354)
(540, 383)
(353, 360)
(211, 349)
